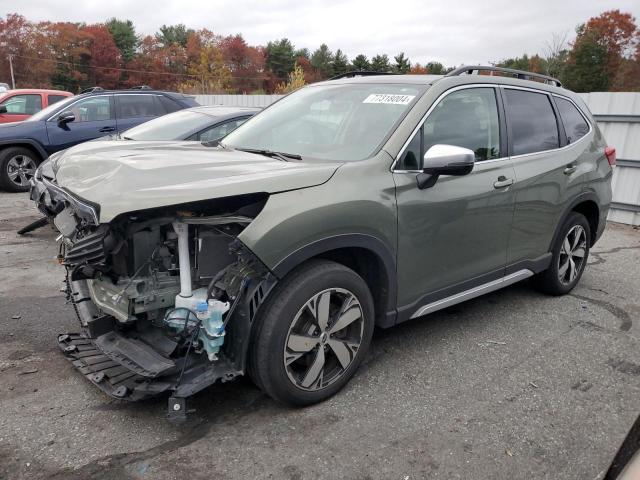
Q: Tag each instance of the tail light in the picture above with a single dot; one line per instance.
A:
(610, 153)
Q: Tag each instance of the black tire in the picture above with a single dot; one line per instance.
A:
(266, 362)
(6, 156)
(549, 281)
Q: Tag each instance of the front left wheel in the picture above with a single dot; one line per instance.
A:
(312, 334)
(17, 167)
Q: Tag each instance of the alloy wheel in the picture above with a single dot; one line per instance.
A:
(21, 169)
(572, 255)
(323, 339)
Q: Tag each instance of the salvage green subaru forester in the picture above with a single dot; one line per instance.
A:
(352, 203)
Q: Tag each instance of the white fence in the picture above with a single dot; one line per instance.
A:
(617, 114)
(237, 100)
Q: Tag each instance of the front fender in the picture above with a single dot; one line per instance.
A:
(356, 208)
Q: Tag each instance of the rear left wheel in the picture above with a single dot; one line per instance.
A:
(570, 254)
(313, 333)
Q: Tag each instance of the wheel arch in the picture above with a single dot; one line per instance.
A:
(587, 205)
(368, 256)
(32, 145)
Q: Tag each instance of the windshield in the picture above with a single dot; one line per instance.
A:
(174, 126)
(48, 111)
(330, 122)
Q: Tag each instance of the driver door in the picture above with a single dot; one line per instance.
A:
(94, 117)
(453, 236)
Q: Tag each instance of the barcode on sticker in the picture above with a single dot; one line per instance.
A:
(389, 99)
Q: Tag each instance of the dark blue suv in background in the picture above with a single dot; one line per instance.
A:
(96, 113)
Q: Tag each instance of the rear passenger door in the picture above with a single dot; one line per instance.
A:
(134, 109)
(453, 236)
(546, 168)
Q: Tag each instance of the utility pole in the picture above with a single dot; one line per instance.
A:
(13, 80)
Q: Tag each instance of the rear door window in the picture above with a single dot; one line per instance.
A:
(532, 122)
(136, 106)
(575, 125)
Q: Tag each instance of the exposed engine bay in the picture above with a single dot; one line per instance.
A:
(165, 297)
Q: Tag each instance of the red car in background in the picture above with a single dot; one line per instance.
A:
(18, 105)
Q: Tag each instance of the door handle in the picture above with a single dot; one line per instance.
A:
(570, 169)
(502, 182)
(107, 129)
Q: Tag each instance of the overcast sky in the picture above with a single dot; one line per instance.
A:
(450, 31)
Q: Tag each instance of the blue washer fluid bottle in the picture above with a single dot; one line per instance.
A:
(212, 328)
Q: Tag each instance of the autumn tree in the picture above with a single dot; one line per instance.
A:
(246, 63)
(294, 82)
(71, 48)
(605, 43)
(152, 66)
(206, 66)
(29, 46)
(418, 69)
(104, 59)
(310, 74)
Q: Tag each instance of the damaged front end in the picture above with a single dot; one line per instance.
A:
(165, 297)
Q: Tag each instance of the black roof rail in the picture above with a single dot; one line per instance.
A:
(141, 87)
(361, 73)
(521, 74)
(92, 89)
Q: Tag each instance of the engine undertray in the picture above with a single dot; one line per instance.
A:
(111, 377)
(120, 381)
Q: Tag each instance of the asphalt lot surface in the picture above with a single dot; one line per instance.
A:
(511, 385)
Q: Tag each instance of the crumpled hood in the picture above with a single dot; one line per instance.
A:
(127, 176)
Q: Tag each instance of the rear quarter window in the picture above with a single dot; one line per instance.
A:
(168, 105)
(55, 98)
(575, 125)
(531, 121)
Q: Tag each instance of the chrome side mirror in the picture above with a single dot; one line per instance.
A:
(445, 160)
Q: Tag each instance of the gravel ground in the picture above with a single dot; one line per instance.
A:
(511, 385)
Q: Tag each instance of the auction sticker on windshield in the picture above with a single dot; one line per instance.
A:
(389, 99)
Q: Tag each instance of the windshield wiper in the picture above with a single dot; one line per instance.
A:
(285, 157)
